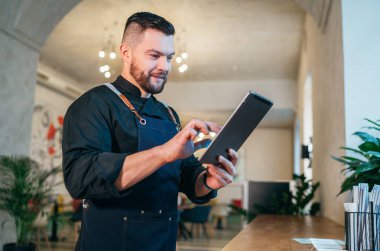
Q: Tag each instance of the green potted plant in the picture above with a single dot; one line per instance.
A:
(298, 202)
(304, 193)
(363, 165)
(24, 191)
(287, 203)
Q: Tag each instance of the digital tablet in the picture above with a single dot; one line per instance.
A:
(238, 127)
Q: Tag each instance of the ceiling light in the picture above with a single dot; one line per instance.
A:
(107, 53)
(184, 55)
(178, 60)
(102, 54)
(181, 69)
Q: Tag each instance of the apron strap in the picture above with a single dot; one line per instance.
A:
(178, 126)
(126, 102)
(132, 108)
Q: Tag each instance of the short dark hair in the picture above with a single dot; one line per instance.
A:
(147, 20)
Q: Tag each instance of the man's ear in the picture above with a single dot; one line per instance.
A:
(125, 52)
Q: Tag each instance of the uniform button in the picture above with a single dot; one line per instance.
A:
(160, 211)
(142, 211)
(125, 218)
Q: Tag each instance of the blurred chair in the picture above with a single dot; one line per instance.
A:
(40, 224)
(219, 214)
(197, 217)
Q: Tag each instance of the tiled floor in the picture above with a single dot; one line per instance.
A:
(221, 238)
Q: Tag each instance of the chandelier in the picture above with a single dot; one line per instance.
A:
(106, 55)
(181, 59)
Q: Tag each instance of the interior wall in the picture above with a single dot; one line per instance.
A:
(322, 57)
(24, 27)
(58, 79)
(269, 154)
(265, 156)
(46, 145)
(361, 43)
(210, 93)
(17, 80)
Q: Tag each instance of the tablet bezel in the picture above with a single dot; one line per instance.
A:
(206, 156)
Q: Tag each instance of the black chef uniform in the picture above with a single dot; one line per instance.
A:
(99, 132)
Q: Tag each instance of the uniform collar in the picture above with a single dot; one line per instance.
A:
(126, 86)
(151, 106)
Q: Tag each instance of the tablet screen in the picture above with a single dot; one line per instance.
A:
(238, 127)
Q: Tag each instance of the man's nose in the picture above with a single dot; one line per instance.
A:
(164, 64)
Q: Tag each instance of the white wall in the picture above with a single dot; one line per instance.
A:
(49, 108)
(58, 79)
(269, 154)
(361, 44)
(322, 58)
(17, 80)
(225, 95)
(265, 156)
(343, 60)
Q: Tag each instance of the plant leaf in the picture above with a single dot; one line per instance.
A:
(374, 123)
(351, 159)
(347, 184)
(376, 154)
(369, 146)
(341, 160)
(366, 137)
(353, 150)
(365, 167)
(372, 128)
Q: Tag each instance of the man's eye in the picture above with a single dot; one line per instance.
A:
(170, 58)
(154, 56)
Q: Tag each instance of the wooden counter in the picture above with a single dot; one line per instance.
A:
(275, 232)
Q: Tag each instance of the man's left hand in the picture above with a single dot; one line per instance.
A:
(221, 175)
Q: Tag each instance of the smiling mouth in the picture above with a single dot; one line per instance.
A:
(160, 77)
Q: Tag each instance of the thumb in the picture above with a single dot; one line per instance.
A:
(202, 144)
(187, 134)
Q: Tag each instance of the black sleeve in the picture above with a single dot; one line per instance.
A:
(89, 167)
(191, 168)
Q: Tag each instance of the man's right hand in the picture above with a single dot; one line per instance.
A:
(182, 145)
(136, 168)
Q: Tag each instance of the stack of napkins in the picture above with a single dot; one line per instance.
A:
(327, 244)
(360, 228)
(323, 244)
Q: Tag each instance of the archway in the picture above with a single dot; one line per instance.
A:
(24, 28)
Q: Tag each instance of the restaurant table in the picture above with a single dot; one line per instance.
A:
(275, 232)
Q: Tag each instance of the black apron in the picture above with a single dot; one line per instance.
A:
(145, 218)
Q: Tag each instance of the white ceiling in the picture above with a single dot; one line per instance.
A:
(226, 40)
(241, 39)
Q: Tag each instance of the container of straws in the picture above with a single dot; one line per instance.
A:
(363, 230)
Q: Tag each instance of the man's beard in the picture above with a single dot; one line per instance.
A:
(144, 79)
